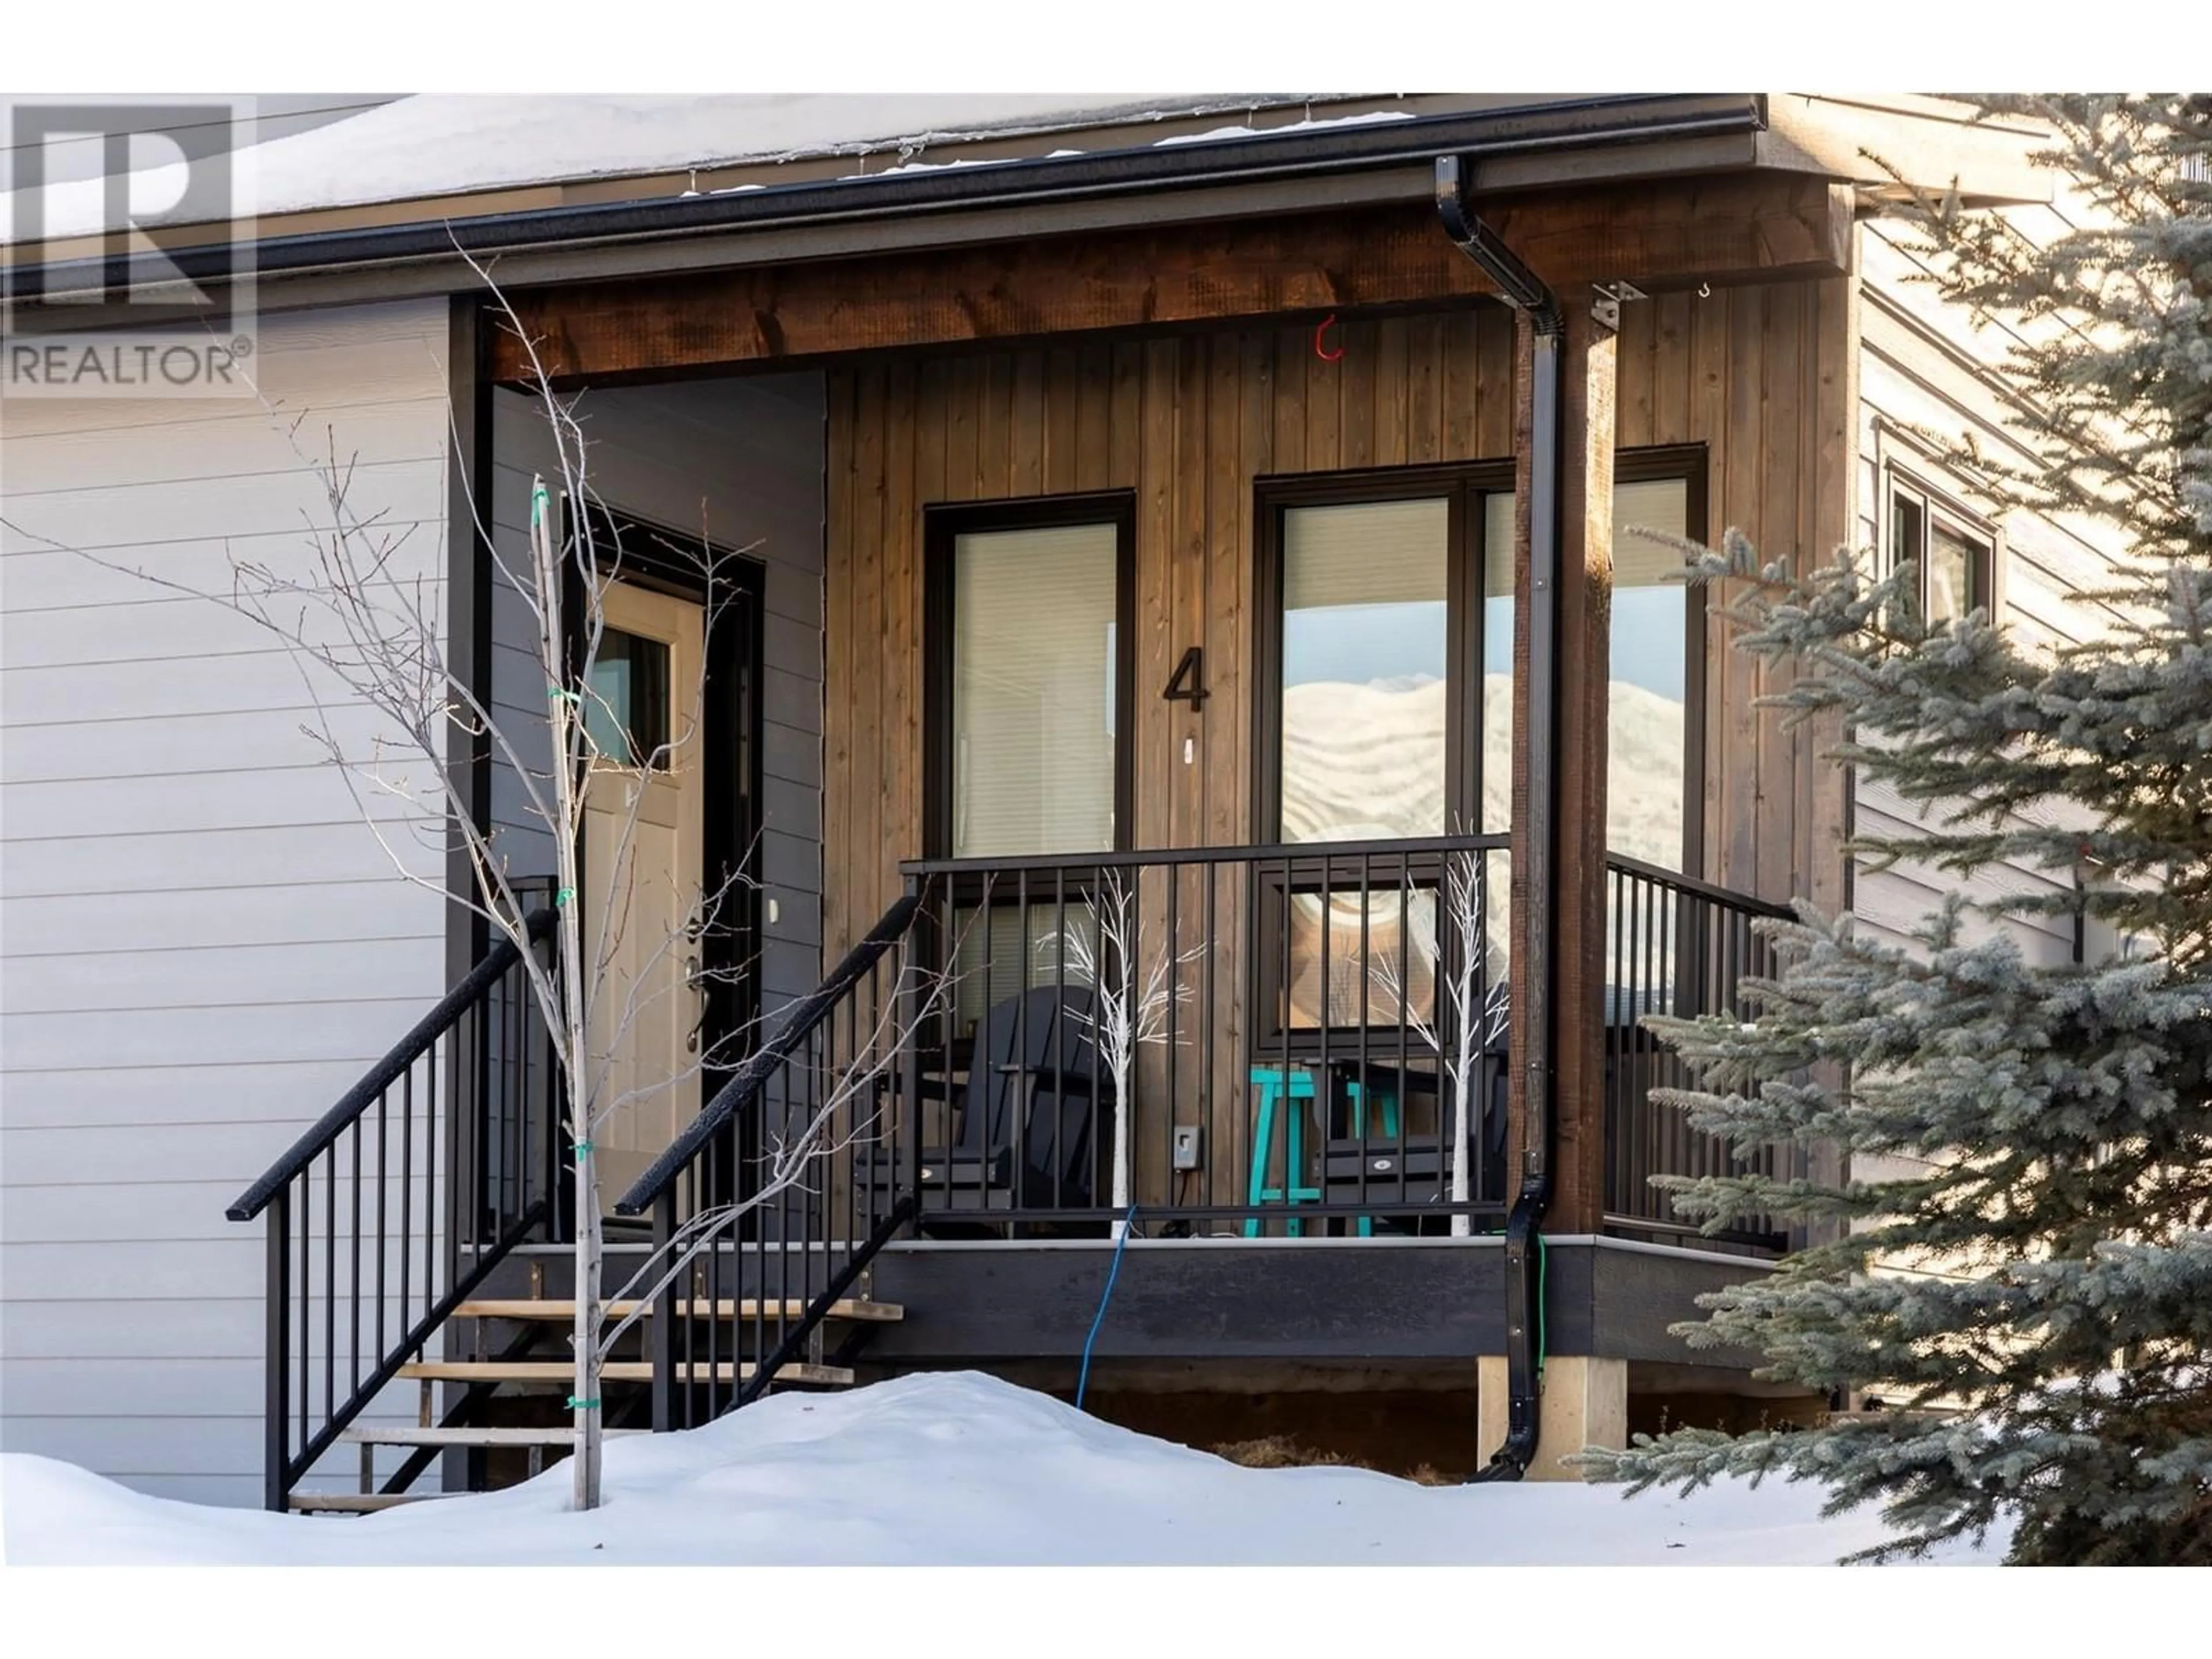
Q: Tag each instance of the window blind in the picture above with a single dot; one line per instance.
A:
(1033, 690)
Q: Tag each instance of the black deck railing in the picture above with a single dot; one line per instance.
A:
(1294, 1062)
(362, 1270)
(1674, 945)
(754, 1201)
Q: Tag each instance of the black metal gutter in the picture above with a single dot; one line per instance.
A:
(1520, 129)
(1525, 291)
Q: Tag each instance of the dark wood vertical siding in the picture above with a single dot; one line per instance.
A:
(1760, 375)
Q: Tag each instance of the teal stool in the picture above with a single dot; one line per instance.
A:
(1296, 1084)
(1274, 1084)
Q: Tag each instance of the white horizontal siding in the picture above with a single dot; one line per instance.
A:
(222, 975)
(281, 1093)
(195, 1040)
(150, 1328)
(204, 945)
(329, 850)
(1925, 368)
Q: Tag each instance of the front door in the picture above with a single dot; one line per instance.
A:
(644, 802)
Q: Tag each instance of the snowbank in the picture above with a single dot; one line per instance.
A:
(947, 1469)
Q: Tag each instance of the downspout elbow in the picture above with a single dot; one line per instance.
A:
(1517, 285)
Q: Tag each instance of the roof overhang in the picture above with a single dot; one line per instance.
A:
(1043, 180)
(1890, 145)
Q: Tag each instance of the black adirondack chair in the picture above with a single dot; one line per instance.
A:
(1414, 1170)
(1030, 1117)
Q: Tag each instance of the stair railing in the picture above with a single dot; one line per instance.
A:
(784, 1255)
(358, 1275)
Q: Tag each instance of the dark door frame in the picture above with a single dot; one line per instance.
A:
(732, 820)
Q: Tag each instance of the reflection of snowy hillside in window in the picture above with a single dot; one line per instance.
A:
(1361, 761)
(1369, 760)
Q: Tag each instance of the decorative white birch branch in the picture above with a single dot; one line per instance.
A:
(1475, 1019)
(1128, 1014)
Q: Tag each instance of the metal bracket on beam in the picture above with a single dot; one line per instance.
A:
(1611, 296)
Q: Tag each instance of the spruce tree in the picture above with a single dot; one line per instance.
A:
(2054, 1121)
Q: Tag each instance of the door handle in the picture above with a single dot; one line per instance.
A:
(694, 978)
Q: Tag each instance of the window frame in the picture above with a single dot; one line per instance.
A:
(1691, 463)
(1465, 484)
(1904, 479)
(943, 524)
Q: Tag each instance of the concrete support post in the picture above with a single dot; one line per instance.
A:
(1585, 1404)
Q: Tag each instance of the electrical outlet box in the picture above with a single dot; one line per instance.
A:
(1188, 1147)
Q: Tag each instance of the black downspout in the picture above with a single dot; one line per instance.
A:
(1524, 290)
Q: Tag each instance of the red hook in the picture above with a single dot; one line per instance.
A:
(1320, 350)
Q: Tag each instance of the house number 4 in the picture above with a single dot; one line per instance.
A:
(1188, 683)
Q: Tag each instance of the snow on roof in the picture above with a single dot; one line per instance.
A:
(950, 1468)
(433, 145)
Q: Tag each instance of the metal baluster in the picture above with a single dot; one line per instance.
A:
(307, 1302)
(1635, 1100)
(1103, 972)
(276, 1404)
(1364, 1123)
(1619, 1054)
(470, 1105)
(1211, 1020)
(1404, 1028)
(1324, 1078)
(330, 1279)
(383, 1170)
(1172, 960)
(702, 1289)
(430, 1139)
(353, 1318)
(522, 1112)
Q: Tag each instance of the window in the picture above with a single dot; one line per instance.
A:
(1373, 684)
(1657, 659)
(1027, 711)
(1029, 685)
(1386, 639)
(1373, 675)
(1365, 604)
(626, 715)
(1954, 553)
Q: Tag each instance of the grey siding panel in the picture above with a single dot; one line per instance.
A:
(203, 945)
(744, 460)
(794, 701)
(791, 754)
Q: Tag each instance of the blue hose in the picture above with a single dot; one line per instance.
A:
(1083, 1377)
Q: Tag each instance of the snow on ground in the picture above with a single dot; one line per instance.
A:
(941, 1470)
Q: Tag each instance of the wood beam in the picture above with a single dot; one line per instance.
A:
(1722, 230)
(1581, 648)
(1588, 401)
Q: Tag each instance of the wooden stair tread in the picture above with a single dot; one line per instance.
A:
(360, 1502)
(409, 1435)
(522, 1308)
(614, 1370)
